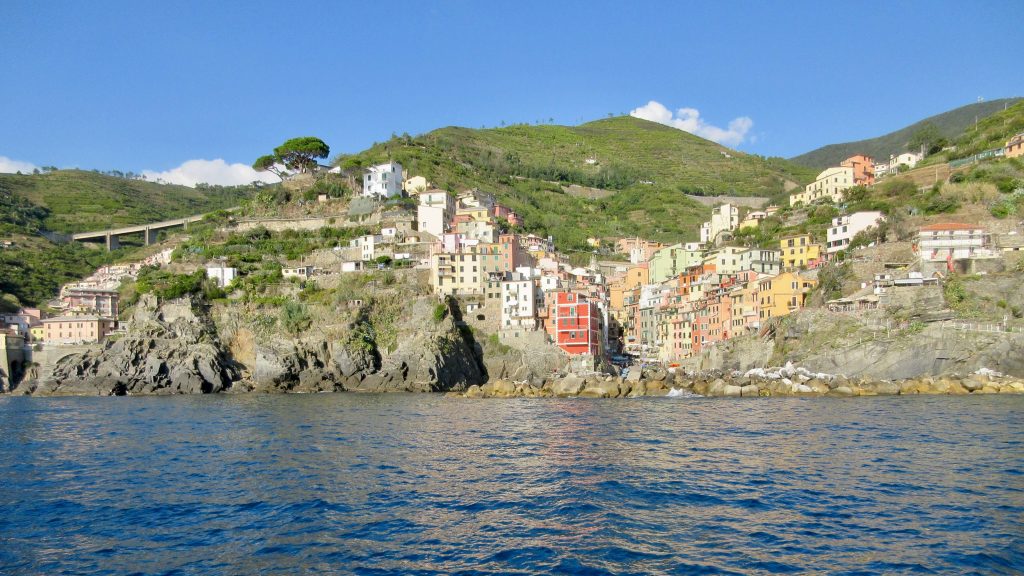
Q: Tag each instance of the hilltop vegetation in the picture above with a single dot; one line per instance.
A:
(948, 125)
(645, 168)
(67, 201)
(81, 201)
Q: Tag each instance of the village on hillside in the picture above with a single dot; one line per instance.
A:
(656, 302)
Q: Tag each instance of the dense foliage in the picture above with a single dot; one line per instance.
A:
(33, 273)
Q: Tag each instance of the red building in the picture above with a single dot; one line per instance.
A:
(574, 323)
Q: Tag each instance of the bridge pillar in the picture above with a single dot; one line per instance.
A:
(150, 235)
(113, 243)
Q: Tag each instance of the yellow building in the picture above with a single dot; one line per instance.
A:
(798, 251)
(782, 294)
(636, 276)
(38, 333)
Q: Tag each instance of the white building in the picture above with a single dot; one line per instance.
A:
(477, 230)
(383, 180)
(301, 272)
(432, 219)
(881, 169)
(519, 299)
(435, 211)
(844, 228)
(223, 275)
(724, 218)
(908, 158)
(953, 241)
(367, 245)
(761, 260)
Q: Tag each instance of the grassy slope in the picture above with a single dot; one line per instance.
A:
(526, 166)
(73, 201)
(992, 132)
(949, 124)
(80, 201)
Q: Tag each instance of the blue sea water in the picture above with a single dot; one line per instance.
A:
(421, 484)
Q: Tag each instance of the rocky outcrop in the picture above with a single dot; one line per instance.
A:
(781, 381)
(431, 356)
(168, 349)
(834, 343)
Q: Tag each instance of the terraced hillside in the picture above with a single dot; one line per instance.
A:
(646, 168)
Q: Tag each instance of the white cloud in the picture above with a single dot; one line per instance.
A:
(10, 166)
(689, 120)
(217, 171)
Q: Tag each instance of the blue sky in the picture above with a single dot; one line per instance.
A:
(149, 86)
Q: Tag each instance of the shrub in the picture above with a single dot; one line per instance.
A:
(295, 317)
(440, 311)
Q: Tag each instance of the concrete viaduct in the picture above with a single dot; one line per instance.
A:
(148, 231)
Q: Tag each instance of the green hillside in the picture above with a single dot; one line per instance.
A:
(81, 201)
(645, 168)
(992, 132)
(76, 201)
(948, 125)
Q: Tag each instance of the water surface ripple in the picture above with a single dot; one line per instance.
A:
(380, 484)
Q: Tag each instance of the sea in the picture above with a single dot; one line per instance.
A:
(423, 484)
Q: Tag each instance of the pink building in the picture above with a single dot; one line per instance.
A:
(74, 329)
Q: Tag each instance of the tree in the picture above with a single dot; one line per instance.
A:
(301, 153)
(929, 138)
(268, 163)
(296, 154)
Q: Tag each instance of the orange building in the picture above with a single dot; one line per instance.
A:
(863, 169)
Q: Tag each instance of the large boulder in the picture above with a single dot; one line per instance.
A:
(602, 389)
(571, 385)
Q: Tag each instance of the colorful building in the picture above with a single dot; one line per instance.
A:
(863, 169)
(799, 251)
(830, 184)
(574, 323)
(77, 329)
(780, 295)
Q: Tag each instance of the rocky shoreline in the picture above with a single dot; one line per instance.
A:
(782, 381)
(179, 347)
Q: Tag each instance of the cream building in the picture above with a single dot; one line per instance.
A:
(830, 184)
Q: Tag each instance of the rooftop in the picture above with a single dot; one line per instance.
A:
(75, 319)
(950, 226)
